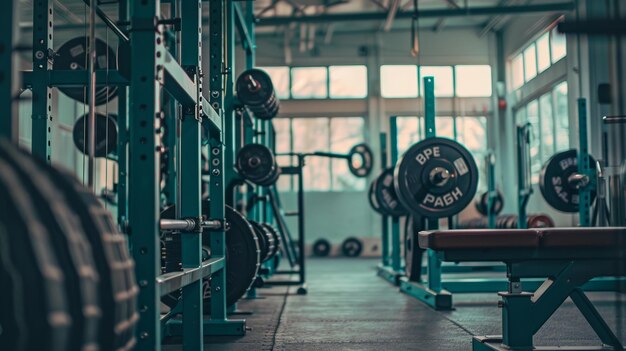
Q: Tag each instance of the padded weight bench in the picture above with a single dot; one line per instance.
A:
(566, 257)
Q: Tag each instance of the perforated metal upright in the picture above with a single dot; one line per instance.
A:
(40, 86)
(8, 71)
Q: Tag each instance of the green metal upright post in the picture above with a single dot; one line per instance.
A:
(396, 263)
(145, 144)
(434, 263)
(491, 188)
(122, 138)
(385, 219)
(9, 72)
(584, 192)
(190, 173)
(229, 105)
(524, 186)
(42, 93)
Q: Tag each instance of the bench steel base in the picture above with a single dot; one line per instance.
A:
(389, 274)
(494, 343)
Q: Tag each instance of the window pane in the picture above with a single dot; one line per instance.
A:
(520, 116)
(444, 85)
(558, 45)
(472, 133)
(530, 63)
(280, 80)
(517, 71)
(532, 114)
(309, 135)
(348, 81)
(543, 52)
(445, 127)
(283, 144)
(309, 83)
(561, 120)
(344, 134)
(473, 80)
(398, 81)
(410, 131)
(547, 127)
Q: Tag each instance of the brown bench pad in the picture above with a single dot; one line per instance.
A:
(478, 239)
(522, 238)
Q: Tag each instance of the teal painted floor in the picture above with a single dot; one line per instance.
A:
(349, 308)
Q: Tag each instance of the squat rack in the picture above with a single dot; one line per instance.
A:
(178, 72)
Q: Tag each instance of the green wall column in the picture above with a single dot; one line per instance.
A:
(42, 93)
(145, 146)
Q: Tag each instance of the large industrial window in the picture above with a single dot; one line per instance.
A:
(473, 80)
(306, 135)
(348, 82)
(537, 57)
(398, 81)
(444, 80)
(280, 80)
(469, 131)
(548, 116)
(401, 81)
(309, 82)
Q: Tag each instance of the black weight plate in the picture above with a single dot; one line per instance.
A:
(264, 248)
(352, 247)
(256, 162)
(72, 248)
(360, 160)
(257, 94)
(386, 197)
(72, 55)
(558, 192)
(371, 197)
(106, 134)
(35, 307)
(276, 236)
(242, 256)
(481, 203)
(412, 252)
(116, 269)
(273, 179)
(422, 189)
(269, 239)
(321, 248)
(539, 221)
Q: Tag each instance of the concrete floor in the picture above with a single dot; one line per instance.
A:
(349, 308)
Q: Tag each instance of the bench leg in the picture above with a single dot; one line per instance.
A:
(594, 319)
(517, 308)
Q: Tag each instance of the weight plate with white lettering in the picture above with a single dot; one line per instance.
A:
(559, 182)
(386, 196)
(436, 178)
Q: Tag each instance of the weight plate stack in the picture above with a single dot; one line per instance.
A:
(482, 203)
(276, 236)
(35, 306)
(256, 91)
(360, 160)
(106, 134)
(242, 256)
(371, 197)
(116, 269)
(72, 55)
(256, 163)
(436, 178)
(556, 182)
(321, 248)
(265, 239)
(386, 197)
(70, 244)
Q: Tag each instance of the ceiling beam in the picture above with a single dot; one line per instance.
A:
(429, 13)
